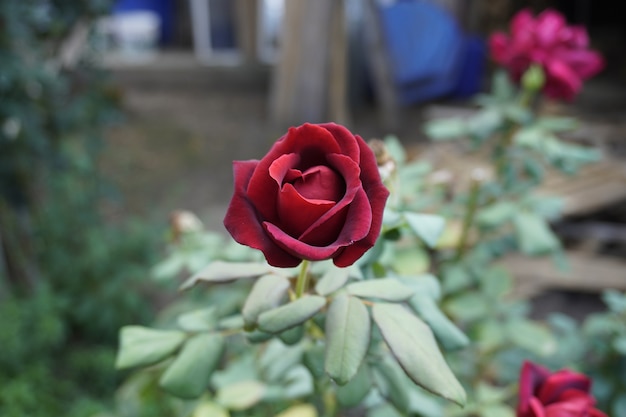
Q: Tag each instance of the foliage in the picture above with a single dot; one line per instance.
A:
(377, 336)
(68, 279)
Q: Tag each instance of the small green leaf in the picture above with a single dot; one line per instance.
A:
(141, 346)
(332, 280)
(497, 410)
(267, 292)
(534, 235)
(189, 374)
(199, 320)
(209, 409)
(496, 214)
(557, 124)
(447, 333)
(292, 336)
(348, 337)
(300, 410)
(289, 315)
(395, 148)
(532, 336)
(426, 284)
(455, 278)
(240, 395)
(388, 289)
(278, 359)
(220, 271)
(351, 394)
(412, 343)
(428, 227)
(468, 306)
(394, 386)
(231, 322)
(444, 129)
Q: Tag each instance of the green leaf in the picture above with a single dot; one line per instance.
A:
(468, 306)
(394, 385)
(292, 336)
(298, 383)
(426, 284)
(234, 322)
(384, 410)
(289, 315)
(240, 395)
(534, 235)
(313, 359)
(267, 292)
(412, 343)
(141, 346)
(220, 271)
(502, 87)
(348, 337)
(277, 360)
(209, 409)
(428, 227)
(455, 278)
(388, 289)
(332, 280)
(199, 320)
(496, 214)
(447, 333)
(395, 149)
(189, 374)
(532, 336)
(444, 129)
(496, 281)
(300, 410)
(497, 410)
(557, 124)
(486, 393)
(351, 394)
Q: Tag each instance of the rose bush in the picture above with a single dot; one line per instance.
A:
(560, 394)
(316, 195)
(561, 50)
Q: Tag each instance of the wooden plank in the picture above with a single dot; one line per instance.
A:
(587, 272)
(300, 80)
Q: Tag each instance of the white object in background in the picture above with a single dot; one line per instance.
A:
(202, 42)
(136, 34)
(270, 22)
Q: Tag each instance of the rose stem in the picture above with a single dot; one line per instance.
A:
(303, 279)
(472, 203)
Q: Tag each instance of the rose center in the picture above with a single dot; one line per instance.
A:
(320, 183)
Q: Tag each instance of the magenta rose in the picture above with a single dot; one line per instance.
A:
(560, 394)
(561, 50)
(316, 195)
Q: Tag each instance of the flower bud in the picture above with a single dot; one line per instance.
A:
(533, 78)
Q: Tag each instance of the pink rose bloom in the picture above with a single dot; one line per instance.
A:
(561, 50)
(560, 394)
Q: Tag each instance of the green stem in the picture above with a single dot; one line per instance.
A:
(468, 220)
(303, 279)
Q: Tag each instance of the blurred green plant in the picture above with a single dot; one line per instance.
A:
(68, 279)
(368, 338)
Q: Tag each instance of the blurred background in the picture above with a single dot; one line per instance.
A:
(114, 114)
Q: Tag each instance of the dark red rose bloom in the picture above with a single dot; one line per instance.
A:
(561, 50)
(560, 394)
(316, 195)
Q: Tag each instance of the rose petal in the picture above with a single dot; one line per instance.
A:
(561, 81)
(320, 183)
(298, 248)
(297, 213)
(309, 141)
(535, 409)
(584, 63)
(345, 139)
(523, 22)
(242, 223)
(377, 195)
(531, 377)
(577, 407)
(282, 166)
(499, 48)
(555, 384)
(550, 23)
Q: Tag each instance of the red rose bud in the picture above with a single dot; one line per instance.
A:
(316, 195)
(562, 52)
(560, 394)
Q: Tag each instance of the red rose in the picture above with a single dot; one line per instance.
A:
(561, 50)
(560, 394)
(316, 195)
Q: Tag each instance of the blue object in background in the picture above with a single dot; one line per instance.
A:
(163, 8)
(430, 56)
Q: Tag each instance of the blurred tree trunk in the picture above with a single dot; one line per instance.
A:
(309, 80)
